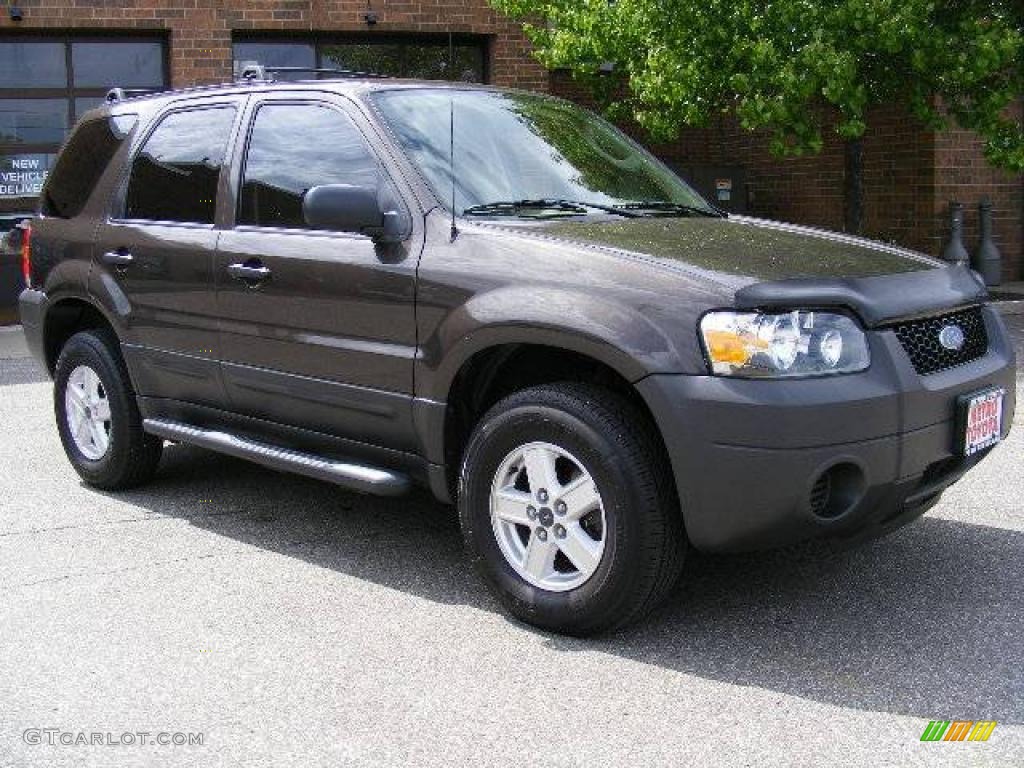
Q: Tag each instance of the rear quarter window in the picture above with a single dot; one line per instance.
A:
(86, 155)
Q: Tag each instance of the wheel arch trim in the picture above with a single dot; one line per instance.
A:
(59, 302)
(609, 331)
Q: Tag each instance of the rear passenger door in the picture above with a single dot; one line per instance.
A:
(326, 340)
(154, 256)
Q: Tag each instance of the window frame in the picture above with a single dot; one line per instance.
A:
(301, 98)
(119, 203)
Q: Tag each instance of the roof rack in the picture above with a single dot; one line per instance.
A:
(251, 72)
(259, 73)
(120, 94)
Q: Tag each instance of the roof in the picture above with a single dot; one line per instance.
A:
(351, 86)
(337, 84)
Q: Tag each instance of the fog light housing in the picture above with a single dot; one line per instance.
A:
(837, 490)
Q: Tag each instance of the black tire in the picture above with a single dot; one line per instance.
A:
(644, 538)
(132, 456)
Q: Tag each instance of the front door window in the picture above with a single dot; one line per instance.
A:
(293, 148)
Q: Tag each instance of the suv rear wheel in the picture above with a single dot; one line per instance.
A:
(97, 415)
(568, 510)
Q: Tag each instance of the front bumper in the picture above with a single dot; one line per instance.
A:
(748, 455)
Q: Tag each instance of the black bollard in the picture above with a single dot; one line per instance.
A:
(955, 252)
(987, 260)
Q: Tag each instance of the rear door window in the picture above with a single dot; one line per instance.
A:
(174, 176)
(87, 154)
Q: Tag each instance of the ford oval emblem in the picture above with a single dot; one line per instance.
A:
(951, 337)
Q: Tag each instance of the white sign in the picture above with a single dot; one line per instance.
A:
(23, 175)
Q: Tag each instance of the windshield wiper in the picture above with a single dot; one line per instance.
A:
(513, 207)
(669, 207)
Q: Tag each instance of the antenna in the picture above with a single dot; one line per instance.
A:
(451, 159)
(451, 135)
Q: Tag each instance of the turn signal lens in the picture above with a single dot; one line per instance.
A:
(729, 348)
(790, 344)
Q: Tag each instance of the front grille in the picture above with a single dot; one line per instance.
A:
(920, 339)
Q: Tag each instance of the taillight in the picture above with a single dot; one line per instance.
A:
(26, 254)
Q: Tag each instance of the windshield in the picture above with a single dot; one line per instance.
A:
(517, 147)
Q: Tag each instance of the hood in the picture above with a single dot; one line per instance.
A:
(768, 265)
(741, 250)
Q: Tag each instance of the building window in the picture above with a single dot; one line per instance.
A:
(423, 57)
(47, 83)
(276, 55)
(123, 64)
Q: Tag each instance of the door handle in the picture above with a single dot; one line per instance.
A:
(117, 258)
(251, 272)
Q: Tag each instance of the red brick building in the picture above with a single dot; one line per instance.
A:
(911, 174)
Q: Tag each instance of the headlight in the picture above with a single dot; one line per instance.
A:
(798, 343)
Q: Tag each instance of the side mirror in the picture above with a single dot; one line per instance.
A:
(348, 208)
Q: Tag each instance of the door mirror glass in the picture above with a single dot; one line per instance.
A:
(350, 208)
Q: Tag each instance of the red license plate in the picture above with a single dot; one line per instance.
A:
(981, 419)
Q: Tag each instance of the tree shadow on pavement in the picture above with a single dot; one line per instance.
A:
(926, 622)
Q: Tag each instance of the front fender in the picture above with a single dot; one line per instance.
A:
(608, 331)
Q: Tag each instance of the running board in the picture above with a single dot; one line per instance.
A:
(358, 477)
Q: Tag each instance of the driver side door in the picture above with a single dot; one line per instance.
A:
(317, 328)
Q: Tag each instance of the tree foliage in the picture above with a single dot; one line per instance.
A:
(774, 62)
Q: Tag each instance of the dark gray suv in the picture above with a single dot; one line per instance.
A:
(501, 297)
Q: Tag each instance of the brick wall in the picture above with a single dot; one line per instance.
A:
(910, 174)
(200, 30)
(962, 174)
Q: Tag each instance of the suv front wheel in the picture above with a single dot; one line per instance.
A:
(97, 415)
(568, 510)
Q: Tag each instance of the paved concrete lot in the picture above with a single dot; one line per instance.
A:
(294, 624)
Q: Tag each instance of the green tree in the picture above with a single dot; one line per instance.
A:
(775, 64)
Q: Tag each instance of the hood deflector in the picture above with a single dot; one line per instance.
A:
(877, 300)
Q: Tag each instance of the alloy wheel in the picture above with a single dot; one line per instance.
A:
(88, 412)
(548, 517)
